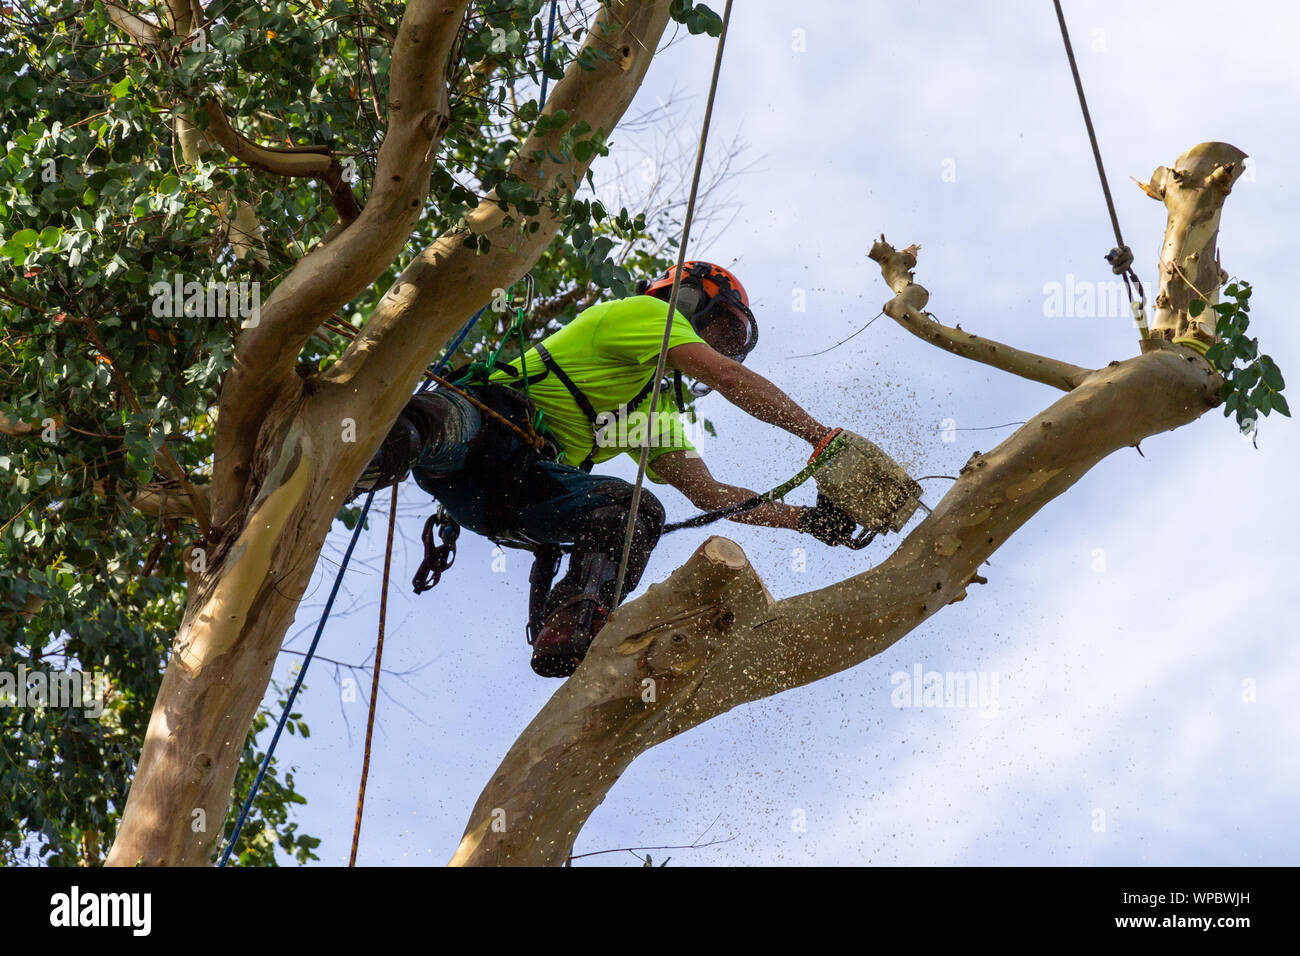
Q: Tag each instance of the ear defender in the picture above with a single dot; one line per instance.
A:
(642, 285)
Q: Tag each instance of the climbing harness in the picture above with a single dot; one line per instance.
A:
(1121, 257)
(584, 403)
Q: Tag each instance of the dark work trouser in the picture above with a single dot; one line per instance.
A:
(463, 460)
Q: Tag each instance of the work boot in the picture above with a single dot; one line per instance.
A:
(579, 605)
(566, 635)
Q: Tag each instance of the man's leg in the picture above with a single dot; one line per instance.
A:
(432, 431)
(594, 511)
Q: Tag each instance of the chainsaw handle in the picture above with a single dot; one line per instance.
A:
(861, 539)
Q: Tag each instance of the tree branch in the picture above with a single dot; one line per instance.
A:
(333, 273)
(315, 162)
(711, 637)
(910, 298)
(138, 29)
(169, 500)
(1193, 191)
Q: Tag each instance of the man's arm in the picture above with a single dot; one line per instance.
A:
(687, 472)
(746, 389)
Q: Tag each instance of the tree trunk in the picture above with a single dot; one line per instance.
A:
(223, 655)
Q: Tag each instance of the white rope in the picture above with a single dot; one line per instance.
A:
(672, 306)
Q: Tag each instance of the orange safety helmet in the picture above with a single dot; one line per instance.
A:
(707, 293)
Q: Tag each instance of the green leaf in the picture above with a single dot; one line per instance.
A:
(1272, 374)
(26, 238)
(1280, 405)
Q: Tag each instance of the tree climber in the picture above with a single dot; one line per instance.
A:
(588, 380)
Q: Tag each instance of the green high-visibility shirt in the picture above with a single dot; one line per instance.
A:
(610, 352)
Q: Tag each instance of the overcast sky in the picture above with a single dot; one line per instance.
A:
(1136, 639)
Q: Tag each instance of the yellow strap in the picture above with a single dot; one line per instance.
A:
(1191, 343)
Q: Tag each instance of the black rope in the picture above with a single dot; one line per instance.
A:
(983, 428)
(1121, 257)
(1087, 119)
(842, 341)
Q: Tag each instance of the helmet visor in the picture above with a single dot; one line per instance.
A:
(730, 325)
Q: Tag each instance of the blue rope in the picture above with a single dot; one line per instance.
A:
(451, 349)
(356, 532)
(302, 672)
(546, 57)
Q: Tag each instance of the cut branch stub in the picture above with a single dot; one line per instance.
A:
(635, 689)
(1193, 190)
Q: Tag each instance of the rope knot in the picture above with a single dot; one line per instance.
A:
(1120, 259)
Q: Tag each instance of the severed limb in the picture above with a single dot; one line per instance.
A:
(910, 298)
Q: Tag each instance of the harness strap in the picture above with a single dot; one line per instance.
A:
(584, 403)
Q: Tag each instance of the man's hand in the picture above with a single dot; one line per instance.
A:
(828, 523)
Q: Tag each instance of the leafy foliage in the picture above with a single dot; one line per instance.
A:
(1252, 383)
(100, 208)
(697, 17)
(268, 826)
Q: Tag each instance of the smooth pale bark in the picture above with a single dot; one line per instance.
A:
(710, 637)
(910, 298)
(1193, 190)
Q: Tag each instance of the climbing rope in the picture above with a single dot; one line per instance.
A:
(541, 105)
(1121, 257)
(374, 681)
(644, 456)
